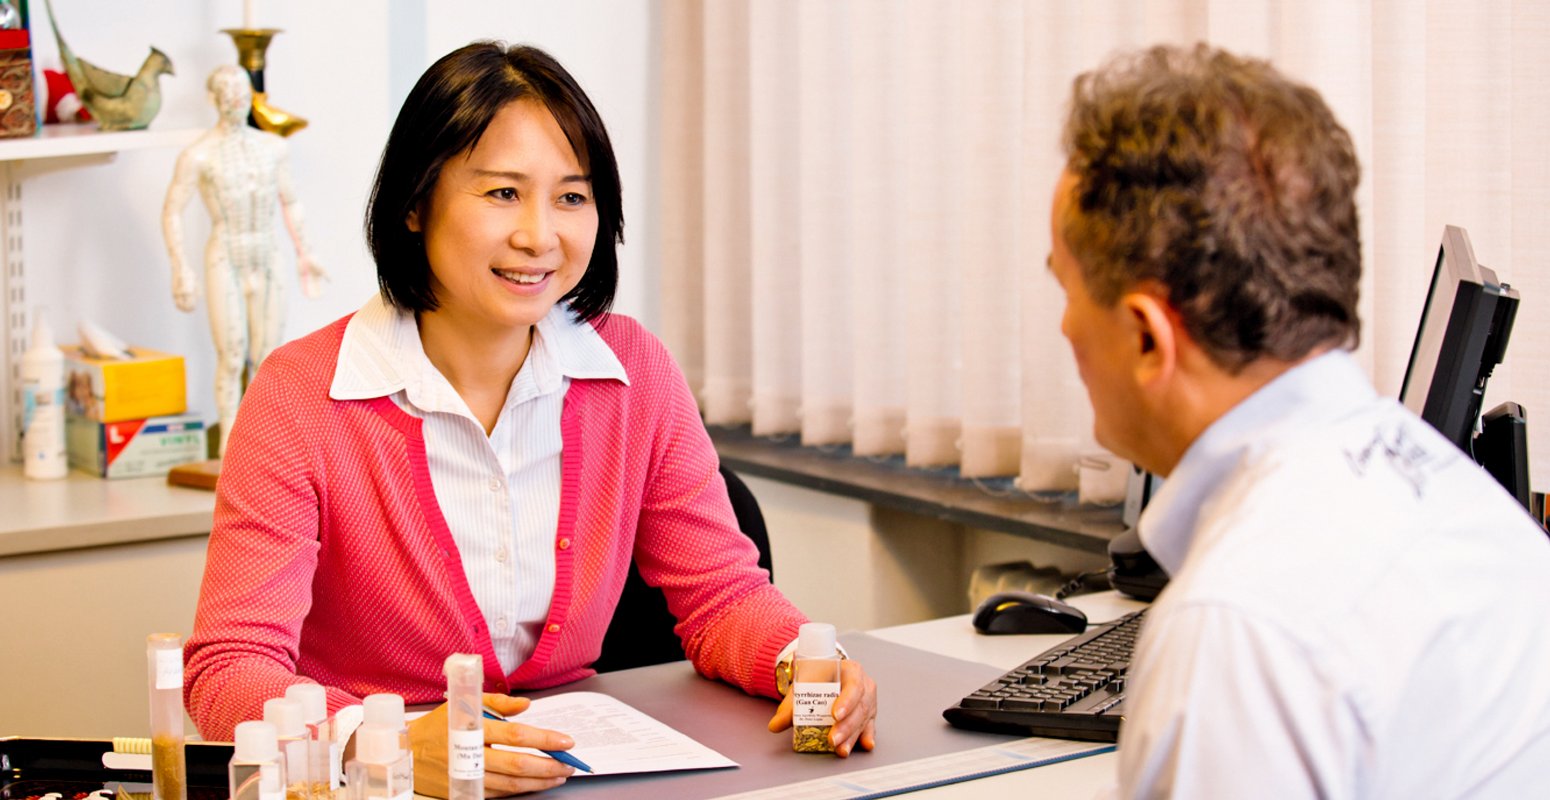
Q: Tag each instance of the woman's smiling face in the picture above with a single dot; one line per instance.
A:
(510, 225)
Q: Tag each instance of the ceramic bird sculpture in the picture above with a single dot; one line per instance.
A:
(117, 102)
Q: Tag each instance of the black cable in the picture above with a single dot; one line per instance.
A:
(1079, 585)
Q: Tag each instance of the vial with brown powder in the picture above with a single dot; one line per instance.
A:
(815, 685)
(164, 673)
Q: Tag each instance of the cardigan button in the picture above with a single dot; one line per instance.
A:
(553, 628)
(564, 543)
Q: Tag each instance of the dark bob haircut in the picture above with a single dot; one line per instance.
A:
(445, 114)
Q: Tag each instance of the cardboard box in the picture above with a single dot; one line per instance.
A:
(18, 113)
(134, 448)
(150, 384)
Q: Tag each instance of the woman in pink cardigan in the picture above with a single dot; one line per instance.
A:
(470, 462)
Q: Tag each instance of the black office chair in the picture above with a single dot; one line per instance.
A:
(641, 633)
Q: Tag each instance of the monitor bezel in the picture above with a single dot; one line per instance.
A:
(1454, 348)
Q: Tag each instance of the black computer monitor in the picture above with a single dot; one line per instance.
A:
(1463, 335)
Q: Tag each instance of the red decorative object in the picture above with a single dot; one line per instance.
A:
(18, 114)
(60, 103)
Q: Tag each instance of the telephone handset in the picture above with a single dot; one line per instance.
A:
(1132, 570)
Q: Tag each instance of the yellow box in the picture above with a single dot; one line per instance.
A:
(148, 384)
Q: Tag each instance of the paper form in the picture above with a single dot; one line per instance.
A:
(614, 738)
(933, 771)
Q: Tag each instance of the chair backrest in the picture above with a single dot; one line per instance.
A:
(641, 633)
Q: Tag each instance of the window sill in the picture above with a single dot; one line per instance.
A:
(991, 504)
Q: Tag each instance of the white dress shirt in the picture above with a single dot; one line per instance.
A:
(1356, 610)
(499, 493)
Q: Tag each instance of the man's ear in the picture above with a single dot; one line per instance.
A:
(1156, 339)
(413, 220)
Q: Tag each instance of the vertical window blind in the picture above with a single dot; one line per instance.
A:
(856, 200)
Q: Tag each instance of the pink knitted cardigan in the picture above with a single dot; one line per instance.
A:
(330, 561)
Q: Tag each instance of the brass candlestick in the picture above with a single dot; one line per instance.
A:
(252, 43)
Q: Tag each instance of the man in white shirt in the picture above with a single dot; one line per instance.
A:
(1356, 609)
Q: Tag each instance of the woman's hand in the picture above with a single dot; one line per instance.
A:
(505, 772)
(855, 712)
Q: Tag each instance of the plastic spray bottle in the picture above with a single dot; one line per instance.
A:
(43, 405)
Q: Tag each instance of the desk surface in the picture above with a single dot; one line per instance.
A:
(947, 660)
(1080, 778)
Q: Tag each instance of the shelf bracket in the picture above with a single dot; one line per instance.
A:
(13, 285)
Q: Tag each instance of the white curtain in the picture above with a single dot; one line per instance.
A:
(856, 197)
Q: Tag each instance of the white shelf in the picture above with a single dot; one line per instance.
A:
(83, 511)
(84, 139)
(86, 145)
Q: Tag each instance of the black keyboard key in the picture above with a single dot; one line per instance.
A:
(1093, 703)
(980, 701)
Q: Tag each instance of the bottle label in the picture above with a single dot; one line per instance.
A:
(169, 669)
(812, 704)
(465, 754)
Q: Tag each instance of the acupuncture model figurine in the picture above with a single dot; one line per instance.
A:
(243, 176)
(117, 102)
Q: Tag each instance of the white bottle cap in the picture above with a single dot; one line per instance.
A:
(285, 714)
(384, 711)
(816, 640)
(256, 742)
(376, 745)
(465, 667)
(42, 334)
(314, 700)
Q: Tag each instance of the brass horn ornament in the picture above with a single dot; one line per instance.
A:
(252, 43)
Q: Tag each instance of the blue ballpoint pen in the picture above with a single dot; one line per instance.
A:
(558, 755)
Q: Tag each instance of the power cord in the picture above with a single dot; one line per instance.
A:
(1085, 583)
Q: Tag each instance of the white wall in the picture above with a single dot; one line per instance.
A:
(92, 234)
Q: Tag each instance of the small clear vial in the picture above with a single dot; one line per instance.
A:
(323, 758)
(387, 711)
(465, 726)
(815, 685)
(381, 770)
(257, 769)
(286, 715)
(164, 673)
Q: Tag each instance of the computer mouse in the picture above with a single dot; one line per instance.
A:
(1026, 612)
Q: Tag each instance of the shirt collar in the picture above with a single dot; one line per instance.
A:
(1321, 389)
(381, 354)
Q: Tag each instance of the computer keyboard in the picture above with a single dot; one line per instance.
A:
(1074, 690)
